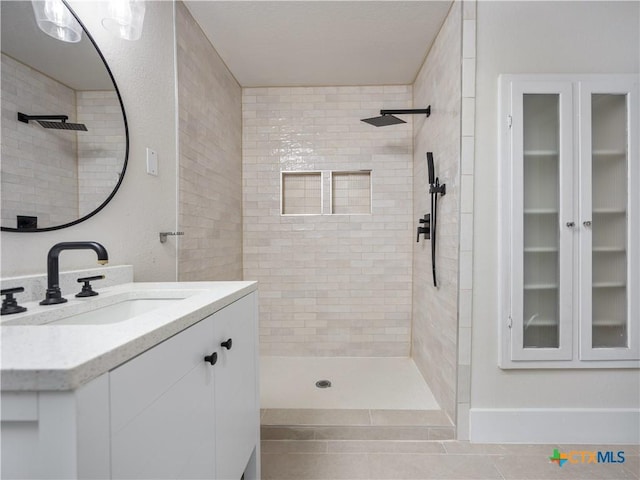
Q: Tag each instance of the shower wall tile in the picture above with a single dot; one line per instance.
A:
(101, 150)
(466, 222)
(329, 284)
(210, 151)
(435, 310)
(38, 164)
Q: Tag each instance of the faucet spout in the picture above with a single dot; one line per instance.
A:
(54, 295)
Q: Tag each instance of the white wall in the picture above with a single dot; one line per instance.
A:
(145, 205)
(537, 37)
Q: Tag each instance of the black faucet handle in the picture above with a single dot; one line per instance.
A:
(87, 290)
(11, 291)
(10, 304)
(90, 279)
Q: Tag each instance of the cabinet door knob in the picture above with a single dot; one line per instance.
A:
(228, 344)
(571, 224)
(212, 359)
(587, 223)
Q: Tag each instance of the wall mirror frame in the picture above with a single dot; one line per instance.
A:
(117, 175)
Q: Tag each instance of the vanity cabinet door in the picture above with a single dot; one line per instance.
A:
(162, 410)
(236, 392)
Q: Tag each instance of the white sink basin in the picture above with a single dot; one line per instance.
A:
(116, 312)
(105, 309)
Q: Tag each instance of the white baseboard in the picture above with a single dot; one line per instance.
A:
(598, 426)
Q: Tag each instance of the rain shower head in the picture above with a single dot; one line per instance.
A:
(58, 122)
(383, 120)
(387, 116)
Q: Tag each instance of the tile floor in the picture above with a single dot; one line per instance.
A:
(419, 460)
(357, 383)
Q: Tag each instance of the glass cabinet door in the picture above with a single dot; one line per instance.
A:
(609, 200)
(542, 187)
(541, 176)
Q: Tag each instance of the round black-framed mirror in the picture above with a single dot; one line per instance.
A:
(40, 180)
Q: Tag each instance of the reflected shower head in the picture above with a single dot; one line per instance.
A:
(387, 116)
(57, 122)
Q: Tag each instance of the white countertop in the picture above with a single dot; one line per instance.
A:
(63, 357)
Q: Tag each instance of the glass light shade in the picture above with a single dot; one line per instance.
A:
(125, 18)
(54, 18)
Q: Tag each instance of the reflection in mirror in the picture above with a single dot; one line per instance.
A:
(54, 175)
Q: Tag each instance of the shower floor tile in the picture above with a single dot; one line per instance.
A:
(356, 383)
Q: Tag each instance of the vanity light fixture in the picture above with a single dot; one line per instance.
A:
(125, 18)
(55, 19)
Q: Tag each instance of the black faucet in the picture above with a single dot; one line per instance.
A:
(54, 295)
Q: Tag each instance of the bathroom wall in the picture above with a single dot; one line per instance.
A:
(37, 164)
(510, 40)
(145, 205)
(435, 310)
(210, 142)
(329, 284)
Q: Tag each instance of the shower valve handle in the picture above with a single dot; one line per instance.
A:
(426, 230)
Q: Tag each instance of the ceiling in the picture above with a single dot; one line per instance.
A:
(328, 42)
(76, 65)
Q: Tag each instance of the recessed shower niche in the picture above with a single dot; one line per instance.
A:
(305, 193)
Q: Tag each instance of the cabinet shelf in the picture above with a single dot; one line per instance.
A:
(609, 249)
(540, 322)
(541, 250)
(540, 211)
(602, 154)
(609, 210)
(541, 153)
(608, 322)
(541, 286)
(609, 284)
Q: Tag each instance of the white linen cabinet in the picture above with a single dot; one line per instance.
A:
(570, 217)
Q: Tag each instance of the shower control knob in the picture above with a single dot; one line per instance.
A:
(571, 224)
(227, 344)
(212, 359)
(587, 223)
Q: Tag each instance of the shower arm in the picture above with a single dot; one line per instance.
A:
(23, 117)
(426, 111)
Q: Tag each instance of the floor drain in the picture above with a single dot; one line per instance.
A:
(323, 384)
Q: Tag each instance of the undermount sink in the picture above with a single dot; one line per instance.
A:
(110, 308)
(116, 312)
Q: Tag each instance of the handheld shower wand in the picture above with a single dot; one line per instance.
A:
(431, 220)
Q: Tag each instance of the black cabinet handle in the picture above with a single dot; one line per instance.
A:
(212, 359)
(228, 344)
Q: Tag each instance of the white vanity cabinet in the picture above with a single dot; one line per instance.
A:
(175, 415)
(163, 414)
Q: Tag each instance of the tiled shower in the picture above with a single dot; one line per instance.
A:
(330, 283)
(329, 207)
